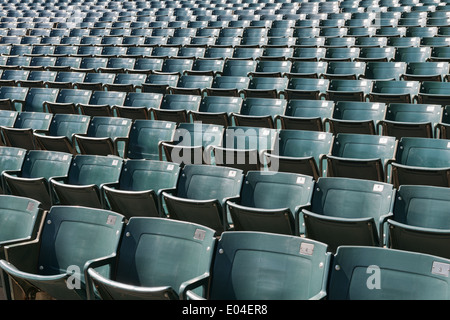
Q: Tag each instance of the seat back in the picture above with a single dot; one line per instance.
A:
(45, 164)
(96, 170)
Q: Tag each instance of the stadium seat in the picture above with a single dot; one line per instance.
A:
(433, 92)
(95, 81)
(227, 86)
(37, 78)
(159, 82)
(10, 77)
(13, 97)
(426, 71)
(384, 70)
(235, 67)
(271, 202)
(348, 90)
(101, 103)
(259, 112)
(175, 107)
(306, 88)
(89, 235)
(36, 97)
(83, 183)
(206, 67)
(201, 194)
(140, 187)
(347, 211)
(138, 105)
(391, 91)
(126, 82)
(270, 254)
(11, 159)
(67, 101)
(66, 79)
(216, 110)
(444, 125)
(307, 69)
(265, 87)
(379, 54)
(164, 240)
(191, 84)
(372, 273)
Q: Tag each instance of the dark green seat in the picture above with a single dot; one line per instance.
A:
(360, 156)
(259, 112)
(272, 202)
(68, 101)
(420, 222)
(148, 243)
(265, 87)
(104, 136)
(266, 266)
(175, 107)
(137, 105)
(299, 151)
(201, 195)
(423, 161)
(392, 91)
(101, 103)
(426, 71)
(72, 238)
(216, 110)
(306, 88)
(140, 186)
(371, 273)
(411, 120)
(348, 90)
(346, 211)
(85, 179)
(384, 70)
(15, 95)
(60, 135)
(444, 125)
(191, 84)
(8, 117)
(433, 92)
(227, 85)
(11, 158)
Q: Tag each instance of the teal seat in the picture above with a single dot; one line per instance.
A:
(36, 97)
(37, 78)
(259, 112)
(303, 114)
(306, 88)
(82, 235)
(384, 70)
(206, 66)
(391, 91)
(85, 179)
(423, 161)
(411, 120)
(376, 53)
(126, 82)
(60, 135)
(137, 105)
(299, 151)
(267, 266)
(175, 107)
(32, 179)
(239, 67)
(420, 222)
(15, 95)
(147, 243)
(227, 85)
(191, 84)
(345, 70)
(11, 159)
(444, 125)
(347, 211)
(201, 194)
(349, 90)
(426, 71)
(371, 273)
(216, 110)
(265, 87)
(66, 79)
(433, 92)
(68, 101)
(101, 103)
(272, 202)
(140, 186)
(360, 156)
(307, 69)
(7, 116)
(104, 136)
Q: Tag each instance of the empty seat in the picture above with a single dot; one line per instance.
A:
(433, 92)
(217, 110)
(426, 71)
(175, 107)
(68, 100)
(444, 125)
(306, 114)
(160, 82)
(266, 87)
(138, 105)
(259, 112)
(37, 97)
(11, 159)
(191, 84)
(391, 91)
(227, 86)
(306, 88)
(101, 103)
(384, 70)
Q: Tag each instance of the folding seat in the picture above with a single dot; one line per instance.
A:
(20, 50)
(112, 41)
(138, 51)
(91, 235)
(259, 112)
(227, 85)
(365, 42)
(218, 52)
(356, 117)
(101, 103)
(12, 97)
(303, 114)
(10, 77)
(411, 120)
(360, 156)
(206, 67)
(444, 125)
(270, 254)
(103, 136)
(191, 52)
(307, 69)
(47, 50)
(434, 42)
(391, 91)
(426, 71)
(66, 63)
(11, 159)
(60, 134)
(306, 88)
(433, 92)
(159, 82)
(266, 87)
(216, 110)
(412, 54)
(118, 65)
(191, 142)
(94, 81)
(36, 97)
(271, 68)
(65, 79)
(400, 42)
(340, 54)
(137, 105)
(175, 107)
(147, 65)
(384, 70)
(21, 134)
(126, 82)
(299, 151)
(306, 32)
(139, 190)
(67, 101)
(390, 31)
(239, 67)
(192, 244)
(191, 84)
(89, 51)
(243, 147)
(201, 194)
(91, 64)
(308, 53)
(344, 70)
(91, 40)
(347, 211)
(37, 78)
(421, 161)
(421, 31)
(40, 63)
(348, 90)
(167, 52)
(399, 270)
(440, 54)
(32, 179)
(376, 54)
(248, 51)
(275, 52)
(85, 179)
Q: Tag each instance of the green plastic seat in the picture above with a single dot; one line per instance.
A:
(15, 95)
(350, 70)
(7, 117)
(36, 97)
(175, 107)
(356, 117)
(149, 242)
(411, 120)
(66, 79)
(265, 87)
(347, 211)
(266, 266)
(259, 112)
(420, 222)
(201, 195)
(360, 156)
(137, 105)
(371, 273)
(271, 202)
(391, 91)
(376, 53)
(68, 100)
(306, 88)
(433, 92)
(60, 135)
(299, 151)
(216, 110)
(191, 142)
(444, 125)
(348, 90)
(384, 70)
(227, 85)
(11, 158)
(126, 82)
(191, 84)
(37, 78)
(104, 136)
(426, 71)
(82, 235)
(85, 179)
(239, 67)
(140, 186)
(243, 147)
(101, 103)
(307, 69)
(412, 54)
(305, 114)
(423, 161)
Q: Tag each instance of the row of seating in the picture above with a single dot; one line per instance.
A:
(102, 256)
